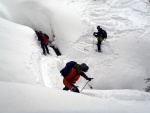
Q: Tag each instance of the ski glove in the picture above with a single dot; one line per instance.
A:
(74, 89)
(89, 79)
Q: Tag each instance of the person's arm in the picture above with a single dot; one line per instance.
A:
(96, 34)
(87, 78)
(84, 75)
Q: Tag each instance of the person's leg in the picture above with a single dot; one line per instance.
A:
(99, 46)
(66, 88)
(76, 89)
(46, 48)
(42, 45)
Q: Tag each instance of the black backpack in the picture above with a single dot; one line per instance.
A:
(66, 70)
(104, 34)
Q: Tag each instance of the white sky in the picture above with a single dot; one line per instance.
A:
(31, 82)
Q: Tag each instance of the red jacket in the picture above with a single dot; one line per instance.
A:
(45, 38)
(73, 77)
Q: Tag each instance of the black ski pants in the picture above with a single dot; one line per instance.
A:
(45, 48)
(99, 46)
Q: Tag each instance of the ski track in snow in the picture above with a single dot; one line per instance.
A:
(49, 69)
(124, 95)
(87, 43)
(35, 63)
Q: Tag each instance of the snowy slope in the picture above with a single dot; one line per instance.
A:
(125, 57)
(22, 98)
(123, 65)
(19, 53)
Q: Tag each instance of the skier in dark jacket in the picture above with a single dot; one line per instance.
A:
(100, 37)
(44, 39)
(74, 75)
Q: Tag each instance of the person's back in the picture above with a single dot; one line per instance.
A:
(45, 38)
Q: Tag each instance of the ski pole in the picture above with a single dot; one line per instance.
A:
(93, 42)
(84, 85)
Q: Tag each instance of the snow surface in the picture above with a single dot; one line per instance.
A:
(31, 83)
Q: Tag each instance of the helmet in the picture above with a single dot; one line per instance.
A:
(84, 67)
(98, 27)
(40, 32)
